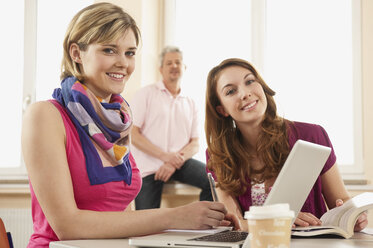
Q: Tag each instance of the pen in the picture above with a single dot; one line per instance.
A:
(213, 187)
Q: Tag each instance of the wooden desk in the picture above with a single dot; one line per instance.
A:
(358, 241)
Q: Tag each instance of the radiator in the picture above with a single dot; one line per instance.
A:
(18, 222)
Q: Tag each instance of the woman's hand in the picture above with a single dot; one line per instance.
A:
(306, 219)
(199, 215)
(362, 220)
(231, 220)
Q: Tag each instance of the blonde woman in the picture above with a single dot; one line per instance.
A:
(76, 146)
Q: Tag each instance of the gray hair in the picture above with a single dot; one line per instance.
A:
(169, 49)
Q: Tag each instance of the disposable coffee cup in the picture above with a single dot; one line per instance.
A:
(269, 226)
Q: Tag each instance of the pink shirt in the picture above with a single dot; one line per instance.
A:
(112, 196)
(166, 121)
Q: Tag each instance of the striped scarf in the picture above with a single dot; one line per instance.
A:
(103, 130)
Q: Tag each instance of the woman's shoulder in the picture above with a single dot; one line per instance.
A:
(42, 128)
(42, 113)
(42, 109)
(308, 131)
(305, 127)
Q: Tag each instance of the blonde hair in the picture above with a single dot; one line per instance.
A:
(97, 23)
(230, 159)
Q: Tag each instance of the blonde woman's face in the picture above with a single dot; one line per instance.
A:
(107, 67)
(241, 96)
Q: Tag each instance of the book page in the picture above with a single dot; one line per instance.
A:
(361, 203)
(368, 231)
(319, 230)
(332, 217)
(345, 216)
(364, 199)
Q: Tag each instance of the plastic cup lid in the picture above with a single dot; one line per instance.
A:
(281, 210)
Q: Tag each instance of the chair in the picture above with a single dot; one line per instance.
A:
(4, 241)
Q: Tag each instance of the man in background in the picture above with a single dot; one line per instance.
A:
(165, 134)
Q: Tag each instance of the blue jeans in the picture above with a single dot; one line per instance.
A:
(193, 172)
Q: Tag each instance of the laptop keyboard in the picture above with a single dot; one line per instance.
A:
(226, 236)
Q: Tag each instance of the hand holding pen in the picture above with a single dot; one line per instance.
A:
(230, 219)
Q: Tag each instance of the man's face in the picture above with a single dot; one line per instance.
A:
(172, 68)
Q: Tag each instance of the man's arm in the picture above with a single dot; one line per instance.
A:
(143, 144)
(190, 149)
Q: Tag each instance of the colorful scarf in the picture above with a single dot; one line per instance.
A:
(103, 130)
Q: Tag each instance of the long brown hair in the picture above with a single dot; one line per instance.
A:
(229, 157)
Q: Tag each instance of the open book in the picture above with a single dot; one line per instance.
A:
(340, 220)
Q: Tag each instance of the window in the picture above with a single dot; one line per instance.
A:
(206, 38)
(12, 73)
(30, 65)
(307, 51)
(310, 61)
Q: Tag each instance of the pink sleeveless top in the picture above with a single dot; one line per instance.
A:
(112, 196)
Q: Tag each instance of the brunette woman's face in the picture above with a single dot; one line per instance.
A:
(241, 96)
(107, 67)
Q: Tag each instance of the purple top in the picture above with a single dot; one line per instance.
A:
(314, 203)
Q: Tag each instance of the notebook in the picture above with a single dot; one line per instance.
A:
(293, 184)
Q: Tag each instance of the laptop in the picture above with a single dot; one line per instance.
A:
(300, 171)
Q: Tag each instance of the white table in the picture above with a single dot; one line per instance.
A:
(358, 241)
